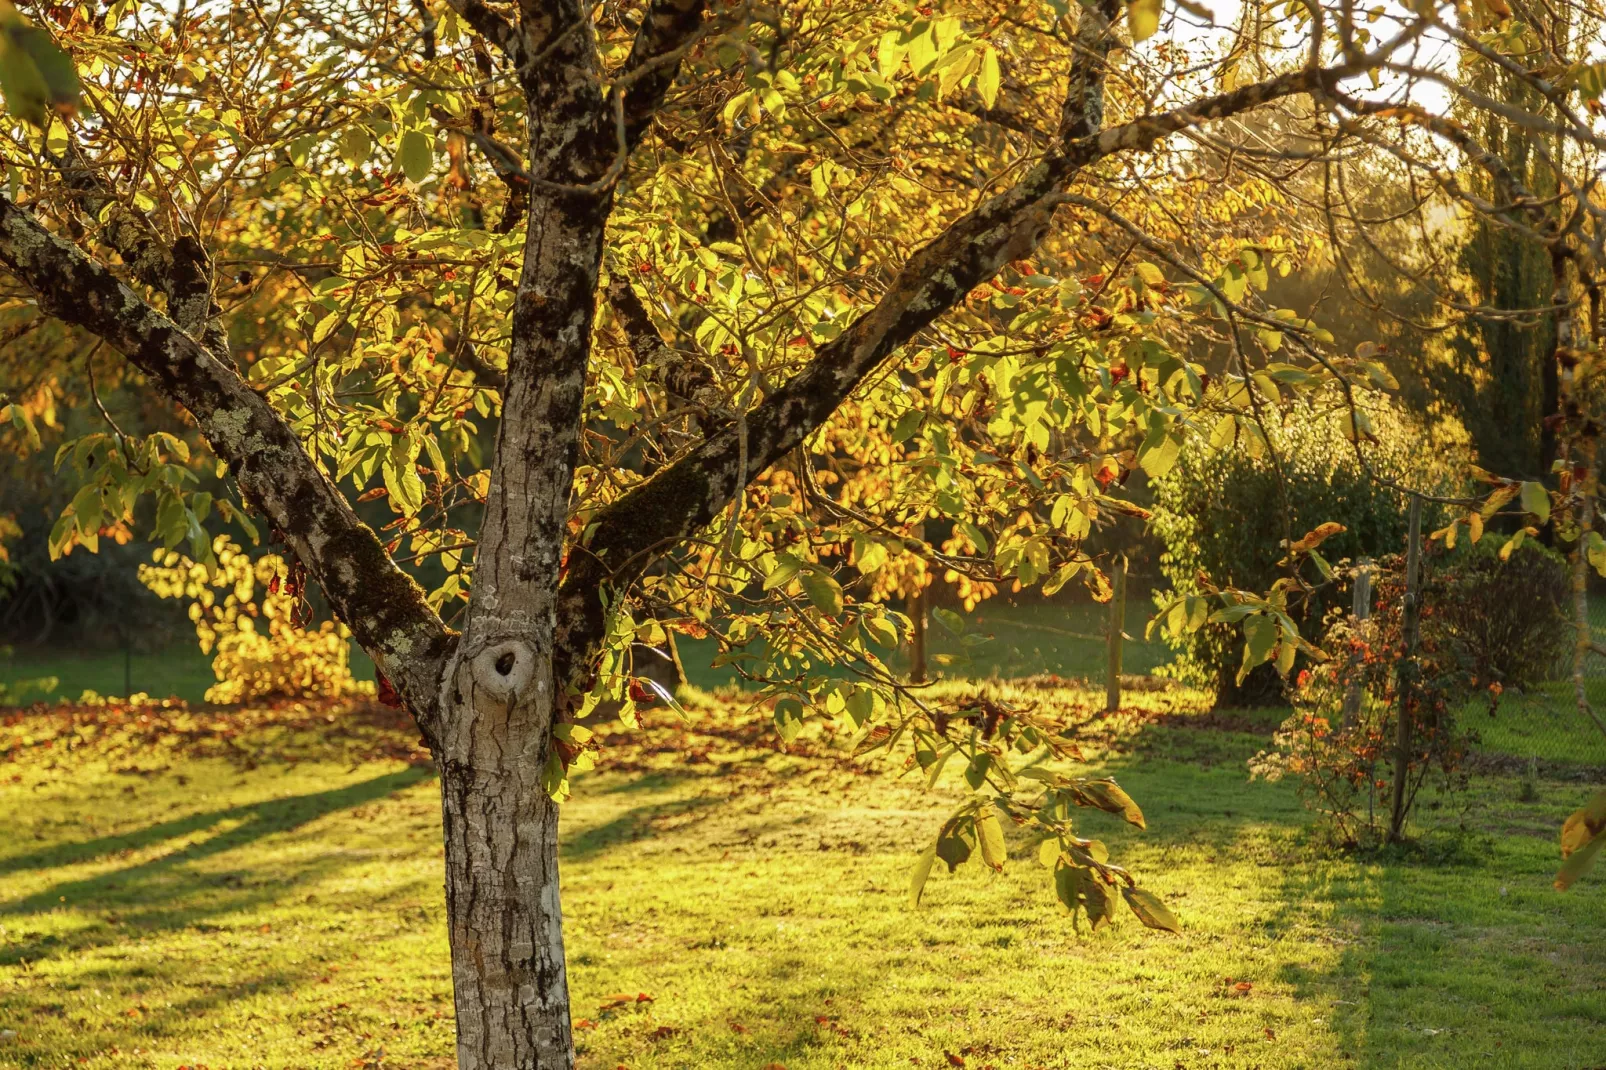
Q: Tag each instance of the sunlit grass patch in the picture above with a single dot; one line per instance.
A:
(274, 904)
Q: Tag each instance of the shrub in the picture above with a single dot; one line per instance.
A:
(1341, 740)
(1510, 616)
(251, 613)
(1225, 512)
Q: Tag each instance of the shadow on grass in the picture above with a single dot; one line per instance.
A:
(260, 819)
(635, 824)
(1453, 950)
(161, 892)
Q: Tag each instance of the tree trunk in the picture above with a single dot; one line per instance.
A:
(501, 830)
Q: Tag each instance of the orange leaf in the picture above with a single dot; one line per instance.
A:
(1316, 536)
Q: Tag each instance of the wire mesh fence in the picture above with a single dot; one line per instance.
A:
(1541, 727)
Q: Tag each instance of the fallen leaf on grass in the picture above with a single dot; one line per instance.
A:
(664, 1032)
(585, 1023)
(954, 1060)
(737, 1026)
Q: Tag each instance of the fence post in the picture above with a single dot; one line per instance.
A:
(1411, 617)
(1112, 686)
(1360, 610)
(917, 637)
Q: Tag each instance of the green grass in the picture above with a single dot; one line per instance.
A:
(1544, 724)
(282, 908)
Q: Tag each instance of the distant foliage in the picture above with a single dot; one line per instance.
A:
(1230, 504)
(250, 612)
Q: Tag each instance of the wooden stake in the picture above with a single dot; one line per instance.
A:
(1112, 687)
(1411, 618)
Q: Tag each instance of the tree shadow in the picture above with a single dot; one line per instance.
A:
(161, 892)
(1450, 951)
(634, 824)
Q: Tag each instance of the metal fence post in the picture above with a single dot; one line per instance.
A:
(1411, 617)
(1112, 686)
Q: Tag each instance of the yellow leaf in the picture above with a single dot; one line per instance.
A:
(987, 81)
(325, 326)
(1143, 18)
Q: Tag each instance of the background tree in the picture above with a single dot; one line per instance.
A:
(648, 316)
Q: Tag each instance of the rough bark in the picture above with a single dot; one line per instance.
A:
(381, 604)
(498, 692)
(502, 899)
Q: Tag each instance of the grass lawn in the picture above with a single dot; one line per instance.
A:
(1544, 724)
(264, 889)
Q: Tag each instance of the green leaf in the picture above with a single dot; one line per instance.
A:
(824, 591)
(1106, 795)
(1286, 650)
(355, 146)
(405, 487)
(1260, 638)
(1098, 900)
(861, 705)
(950, 620)
(38, 78)
(880, 630)
(909, 422)
(956, 840)
(922, 870)
(1143, 18)
(990, 833)
(553, 780)
(1536, 500)
(789, 718)
(786, 567)
(417, 155)
(889, 53)
(579, 735)
(1159, 451)
(976, 771)
(1068, 881)
(325, 326)
(1150, 911)
(86, 509)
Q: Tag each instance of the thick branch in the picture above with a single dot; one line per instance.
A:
(183, 271)
(686, 496)
(682, 376)
(653, 63)
(383, 607)
(493, 27)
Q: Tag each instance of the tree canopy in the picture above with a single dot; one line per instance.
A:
(531, 331)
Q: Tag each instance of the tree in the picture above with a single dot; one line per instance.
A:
(748, 294)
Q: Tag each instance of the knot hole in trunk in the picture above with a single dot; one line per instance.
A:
(504, 669)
